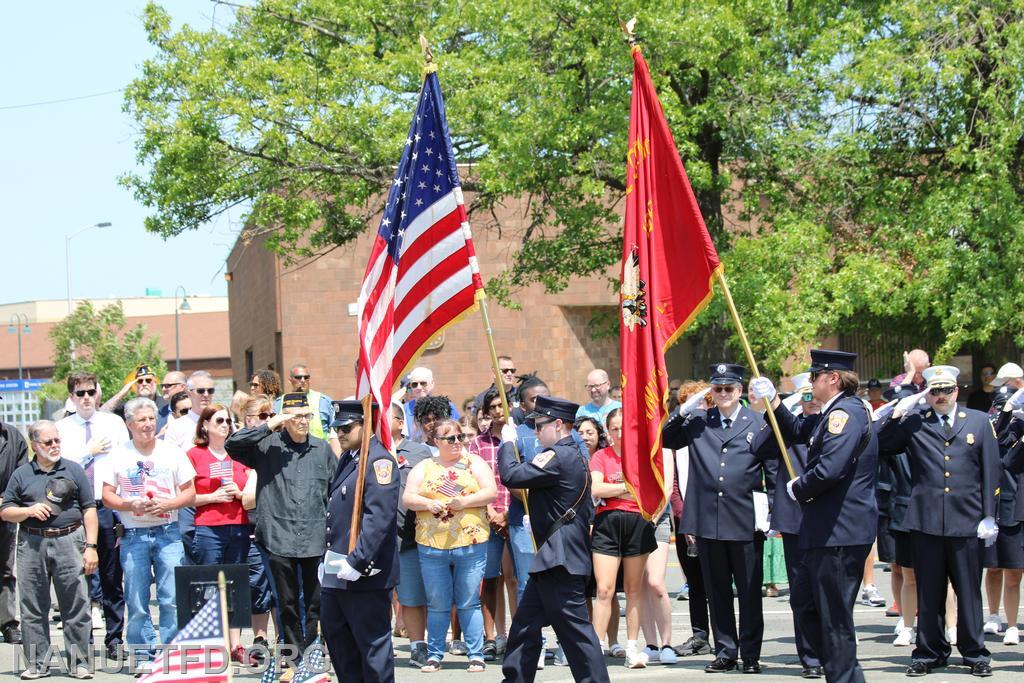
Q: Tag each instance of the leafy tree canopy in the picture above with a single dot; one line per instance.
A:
(870, 154)
(102, 346)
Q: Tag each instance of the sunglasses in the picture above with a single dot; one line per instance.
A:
(85, 392)
(144, 380)
(219, 420)
(723, 390)
(346, 428)
(414, 385)
(452, 439)
(181, 411)
(49, 442)
(508, 371)
(171, 384)
(942, 391)
(262, 416)
(594, 386)
(206, 392)
(300, 376)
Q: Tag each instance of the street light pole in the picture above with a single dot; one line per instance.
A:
(67, 258)
(184, 307)
(15, 325)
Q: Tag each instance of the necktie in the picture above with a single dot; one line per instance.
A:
(726, 423)
(88, 431)
(946, 427)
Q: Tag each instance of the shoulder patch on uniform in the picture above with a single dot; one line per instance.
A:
(542, 459)
(383, 469)
(837, 420)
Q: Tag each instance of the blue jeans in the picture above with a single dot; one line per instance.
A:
(145, 552)
(454, 576)
(224, 544)
(521, 542)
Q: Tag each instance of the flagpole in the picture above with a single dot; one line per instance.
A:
(222, 595)
(720, 274)
(364, 450)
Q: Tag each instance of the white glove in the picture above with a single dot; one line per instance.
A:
(762, 389)
(884, 411)
(789, 487)
(1016, 400)
(909, 402)
(345, 570)
(693, 402)
(987, 531)
(509, 433)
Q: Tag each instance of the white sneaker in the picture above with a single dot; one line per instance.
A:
(668, 656)
(97, 617)
(871, 597)
(993, 625)
(1012, 636)
(560, 659)
(951, 635)
(899, 627)
(653, 654)
(635, 659)
(905, 638)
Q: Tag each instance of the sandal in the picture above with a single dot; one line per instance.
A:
(476, 666)
(431, 667)
(618, 651)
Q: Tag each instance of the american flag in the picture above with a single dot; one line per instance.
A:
(205, 642)
(422, 273)
(312, 669)
(450, 488)
(131, 487)
(221, 469)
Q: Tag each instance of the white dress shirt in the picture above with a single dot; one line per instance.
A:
(182, 432)
(74, 444)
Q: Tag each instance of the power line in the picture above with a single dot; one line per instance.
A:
(60, 101)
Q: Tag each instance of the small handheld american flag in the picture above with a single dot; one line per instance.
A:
(205, 642)
(312, 669)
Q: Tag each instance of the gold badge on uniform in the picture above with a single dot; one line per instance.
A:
(836, 421)
(961, 414)
(970, 439)
(542, 459)
(383, 469)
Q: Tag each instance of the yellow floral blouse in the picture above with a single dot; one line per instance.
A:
(451, 529)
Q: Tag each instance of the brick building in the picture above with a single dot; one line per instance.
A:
(306, 312)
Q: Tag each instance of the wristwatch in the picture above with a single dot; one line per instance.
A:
(91, 545)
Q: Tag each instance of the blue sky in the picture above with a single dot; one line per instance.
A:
(59, 163)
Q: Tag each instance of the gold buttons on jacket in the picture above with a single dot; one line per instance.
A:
(947, 489)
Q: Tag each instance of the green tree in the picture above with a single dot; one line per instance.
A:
(102, 346)
(873, 150)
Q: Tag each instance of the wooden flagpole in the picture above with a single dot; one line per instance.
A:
(222, 596)
(720, 274)
(364, 455)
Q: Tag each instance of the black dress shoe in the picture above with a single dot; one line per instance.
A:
(981, 669)
(694, 646)
(813, 672)
(12, 635)
(751, 666)
(720, 666)
(918, 669)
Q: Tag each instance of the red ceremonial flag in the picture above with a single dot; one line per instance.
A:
(668, 262)
(422, 275)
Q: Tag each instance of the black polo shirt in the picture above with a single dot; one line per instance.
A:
(65, 488)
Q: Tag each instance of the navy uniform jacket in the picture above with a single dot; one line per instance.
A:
(837, 490)
(954, 481)
(726, 467)
(1010, 432)
(556, 479)
(377, 547)
(786, 513)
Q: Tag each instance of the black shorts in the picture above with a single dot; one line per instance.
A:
(623, 534)
(904, 555)
(1008, 550)
(884, 541)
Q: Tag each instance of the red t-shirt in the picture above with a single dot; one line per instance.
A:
(217, 514)
(609, 464)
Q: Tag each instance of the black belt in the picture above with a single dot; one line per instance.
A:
(52, 533)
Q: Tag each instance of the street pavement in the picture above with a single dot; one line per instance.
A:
(880, 659)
